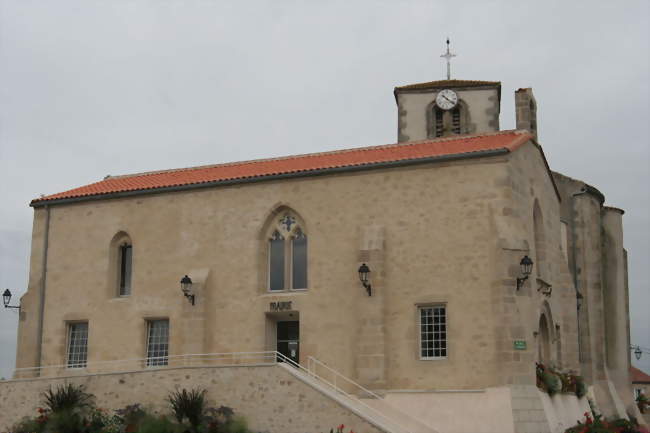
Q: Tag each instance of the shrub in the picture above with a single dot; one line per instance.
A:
(581, 387)
(28, 425)
(190, 405)
(67, 398)
(643, 403)
(552, 382)
(598, 425)
(151, 424)
(65, 421)
(131, 415)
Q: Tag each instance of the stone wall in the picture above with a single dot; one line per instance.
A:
(271, 399)
(436, 248)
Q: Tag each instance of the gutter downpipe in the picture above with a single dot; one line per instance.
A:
(41, 312)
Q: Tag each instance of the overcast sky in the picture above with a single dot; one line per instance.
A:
(90, 88)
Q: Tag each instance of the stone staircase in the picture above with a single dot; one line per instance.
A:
(367, 405)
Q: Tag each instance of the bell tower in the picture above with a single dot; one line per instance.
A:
(447, 107)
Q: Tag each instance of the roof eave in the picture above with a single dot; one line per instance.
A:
(307, 173)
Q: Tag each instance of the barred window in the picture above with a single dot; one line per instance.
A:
(77, 345)
(157, 342)
(433, 332)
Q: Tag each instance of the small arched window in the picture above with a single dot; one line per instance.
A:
(448, 122)
(126, 263)
(287, 249)
(121, 264)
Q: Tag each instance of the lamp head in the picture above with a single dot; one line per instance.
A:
(6, 297)
(186, 285)
(364, 271)
(526, 265)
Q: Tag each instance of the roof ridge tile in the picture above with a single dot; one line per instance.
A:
(310, 162)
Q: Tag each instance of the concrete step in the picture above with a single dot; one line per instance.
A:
(375, 411)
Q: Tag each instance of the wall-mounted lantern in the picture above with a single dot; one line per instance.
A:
(637, 352)
(526, 265)
(364, 277)
(6, 298)
(186, 288)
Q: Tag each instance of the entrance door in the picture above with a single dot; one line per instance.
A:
(288, 339)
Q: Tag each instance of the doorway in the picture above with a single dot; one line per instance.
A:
(288, 339)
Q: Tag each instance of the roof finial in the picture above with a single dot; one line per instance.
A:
(448, 56)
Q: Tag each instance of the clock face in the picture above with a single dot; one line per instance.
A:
(447, 99)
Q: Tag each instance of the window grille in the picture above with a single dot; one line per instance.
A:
(77, 345)
(126, 258)
(157, 343)
(433, 332)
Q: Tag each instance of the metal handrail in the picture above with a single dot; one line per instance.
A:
(311, 359)
(266, 357)
(212, 360)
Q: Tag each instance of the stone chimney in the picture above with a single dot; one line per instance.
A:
(526, 110)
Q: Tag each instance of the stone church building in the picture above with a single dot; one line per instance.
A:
(447, 325)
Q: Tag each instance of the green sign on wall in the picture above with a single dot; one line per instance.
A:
(520, 344)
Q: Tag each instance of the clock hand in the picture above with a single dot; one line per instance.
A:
(447, 99)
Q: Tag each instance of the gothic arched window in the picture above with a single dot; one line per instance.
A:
(287, 247)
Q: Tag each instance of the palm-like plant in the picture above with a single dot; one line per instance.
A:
(67, 398)
(188, 404)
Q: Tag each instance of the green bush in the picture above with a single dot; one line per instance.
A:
(581, 387)
(28, 425)
(190, 405)
(151, 424)
(552, 382)
(599, 425)
(237, 425)
(65, 421)
(67, 397)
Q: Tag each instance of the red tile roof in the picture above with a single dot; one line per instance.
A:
(460, 146)
(638, 376)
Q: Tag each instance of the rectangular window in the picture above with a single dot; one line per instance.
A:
(433, 332)
(299, 265)
(77, 345)
(157, 342)
(126, 256)
(276, 263)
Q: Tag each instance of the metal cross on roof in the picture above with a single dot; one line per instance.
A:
(448, 56)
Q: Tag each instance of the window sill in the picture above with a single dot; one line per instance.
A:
(442, 358)
(268, 293)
